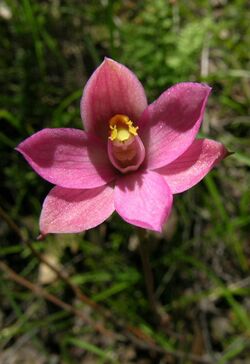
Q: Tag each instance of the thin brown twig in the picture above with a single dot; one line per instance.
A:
(64, 277)
(82, 297)
(39, 291)
(99, 328)
(10, 222)
(61, 275)
(134, 334)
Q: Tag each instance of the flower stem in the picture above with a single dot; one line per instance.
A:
(148, 273)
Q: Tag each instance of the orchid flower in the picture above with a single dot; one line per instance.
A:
(131, 158)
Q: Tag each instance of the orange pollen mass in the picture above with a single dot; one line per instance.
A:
(121, 128)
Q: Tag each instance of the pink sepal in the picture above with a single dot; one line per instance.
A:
(143, 199)
(69, 158)
(112, 89)
(193, 165)
(72, 211)
(170, 124)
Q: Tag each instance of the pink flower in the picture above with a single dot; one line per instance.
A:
(131, 157)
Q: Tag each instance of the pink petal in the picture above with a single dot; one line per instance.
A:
(169, 125)
(72, 210)
(112, 89)
(69, 158)
(187, 170)
(143, 199)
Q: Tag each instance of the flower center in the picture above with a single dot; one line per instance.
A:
(125, 148)
(121, 128)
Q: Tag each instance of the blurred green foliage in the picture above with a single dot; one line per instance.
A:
(48, 51)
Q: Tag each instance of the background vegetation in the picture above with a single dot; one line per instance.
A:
(202, 260)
